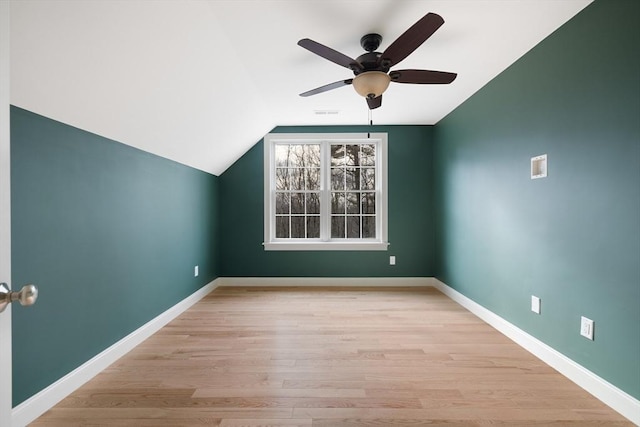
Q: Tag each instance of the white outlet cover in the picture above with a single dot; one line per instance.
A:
(586, 328)
(535, 304)
(195, 271)
(392, 260)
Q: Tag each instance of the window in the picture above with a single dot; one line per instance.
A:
(325, 192)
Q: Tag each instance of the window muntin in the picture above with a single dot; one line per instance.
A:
(325, 192)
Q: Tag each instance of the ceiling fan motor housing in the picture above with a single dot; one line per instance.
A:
(370, 61)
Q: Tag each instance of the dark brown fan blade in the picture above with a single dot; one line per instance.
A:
(422, 77)
(330, 54)
(374, 103)
(325, 88)
(411, 39)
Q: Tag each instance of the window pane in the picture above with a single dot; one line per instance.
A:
(312, 179)
(337, 155)
(313, 227)
(337, 227)
(352, 155)
(282, 203)
(312, 155)
(353, 227)
(353, 178)
(297, 203)
(282, 227)
(337, 179)
(368, 178)
(313, 203)
(368, 226)
(353, 203)
(368, 203)
(297, 227)
(282, 179)
(296, 155)
(337, 203)
(296, 179)
(367, 155)
(282, 155)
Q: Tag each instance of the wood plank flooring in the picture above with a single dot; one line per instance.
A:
(327, 357)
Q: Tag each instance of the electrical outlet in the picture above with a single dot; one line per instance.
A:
(392, 260)
(535, 304)
(586, 328)
(195, 271)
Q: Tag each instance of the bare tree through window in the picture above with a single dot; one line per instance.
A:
(353, 208)
(297, 184)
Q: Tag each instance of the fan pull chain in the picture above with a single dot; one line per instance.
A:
(370, 123)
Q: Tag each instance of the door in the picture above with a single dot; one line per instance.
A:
(5, 219)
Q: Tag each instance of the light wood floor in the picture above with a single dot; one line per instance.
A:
(329, 357)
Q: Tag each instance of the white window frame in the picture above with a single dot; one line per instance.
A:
(379, 243)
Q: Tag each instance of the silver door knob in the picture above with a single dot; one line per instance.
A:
(26, 296)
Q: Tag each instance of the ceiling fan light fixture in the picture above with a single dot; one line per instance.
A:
(371, 84)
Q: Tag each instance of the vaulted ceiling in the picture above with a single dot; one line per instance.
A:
(200, 82)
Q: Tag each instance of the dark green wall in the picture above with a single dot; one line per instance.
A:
(109, 234)
(572, 239)
(411, 219)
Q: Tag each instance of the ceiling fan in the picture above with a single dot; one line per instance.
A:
(371, 69)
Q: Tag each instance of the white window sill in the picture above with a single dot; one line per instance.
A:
(325, 246)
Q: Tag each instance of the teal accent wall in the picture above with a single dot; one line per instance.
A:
(573, 238)
(411, 219)
(108, 233)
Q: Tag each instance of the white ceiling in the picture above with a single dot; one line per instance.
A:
(200, 82)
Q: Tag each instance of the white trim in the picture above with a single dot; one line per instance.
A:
(325, 243)
(41, 402)
(326, 246)
(326, 281)
(617, 399)
(5, 213)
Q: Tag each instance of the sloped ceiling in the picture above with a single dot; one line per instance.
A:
(200, 82)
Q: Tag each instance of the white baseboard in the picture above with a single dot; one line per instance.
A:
(327, 281)
(617, 399)
(41, 402)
